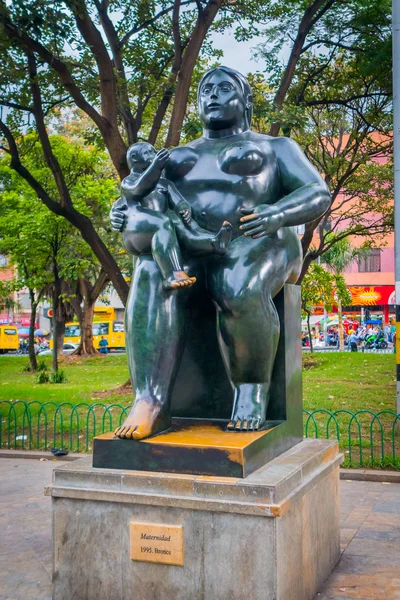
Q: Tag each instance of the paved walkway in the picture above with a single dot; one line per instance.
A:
(369, 568)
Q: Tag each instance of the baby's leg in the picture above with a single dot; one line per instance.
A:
(166, 253)
(199, 241)
(150, 231)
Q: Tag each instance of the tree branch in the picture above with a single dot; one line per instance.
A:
(15, 105)
(200, 30)
(138, 28)
(51, 159)
(310, 17)
(128, 119)
(110, 133)
(99, 284)
(21, 170)
(28, 43)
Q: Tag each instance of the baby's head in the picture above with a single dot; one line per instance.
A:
(140, 155)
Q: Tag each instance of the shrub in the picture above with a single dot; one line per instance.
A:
(43, 377)
(58, 377)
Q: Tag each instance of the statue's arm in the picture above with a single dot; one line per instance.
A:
(141, 186)
(178, 203)
(306, 195)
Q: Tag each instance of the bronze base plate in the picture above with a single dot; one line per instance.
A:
(195, 447)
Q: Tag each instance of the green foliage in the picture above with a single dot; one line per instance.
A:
(323, 288)
(117, 85)
(54, 377)
(36, 240)
(341, 254)
(58, 377)
(42, 377)
(42, 365)
(338, 107)
(317, 289)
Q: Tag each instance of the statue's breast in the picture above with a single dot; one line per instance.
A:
(242, 158)
(181, 161)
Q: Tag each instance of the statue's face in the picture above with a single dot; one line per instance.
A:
(221, 102)
(141, 157)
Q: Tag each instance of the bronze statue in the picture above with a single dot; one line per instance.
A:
(261, 185)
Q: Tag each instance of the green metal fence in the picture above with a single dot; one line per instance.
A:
(367, 439)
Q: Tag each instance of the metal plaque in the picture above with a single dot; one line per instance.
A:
(152, 542)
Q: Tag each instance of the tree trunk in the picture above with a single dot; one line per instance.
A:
(340, 319)
(60, 328)
(308, 259)
(55, 319)
(86, 347)
(31, 343)
(309, 331)
(190, 56)
(55, 336)
(89, 293)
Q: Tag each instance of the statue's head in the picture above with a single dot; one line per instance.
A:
(225, 99)
(140, 155)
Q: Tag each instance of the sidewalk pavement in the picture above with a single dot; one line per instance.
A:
(369, 568)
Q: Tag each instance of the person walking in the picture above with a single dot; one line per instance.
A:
(352, 340)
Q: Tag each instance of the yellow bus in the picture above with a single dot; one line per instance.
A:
(8, 338)
(104, 325)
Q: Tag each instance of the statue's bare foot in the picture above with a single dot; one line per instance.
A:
(147, 417)
(223, 238)
(249, 407)
(179, 280)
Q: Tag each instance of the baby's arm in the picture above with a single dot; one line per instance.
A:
(146, 182)
(178, 203)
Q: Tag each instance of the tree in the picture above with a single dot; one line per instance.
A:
(339, 256)
(130, 69)
(73, 276)
(25, 241)
(320, 36)
(320, 287)
(317, 289)
(119, 64)
(338, 107)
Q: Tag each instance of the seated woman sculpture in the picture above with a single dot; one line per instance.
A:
(263, 186)
(153, 227)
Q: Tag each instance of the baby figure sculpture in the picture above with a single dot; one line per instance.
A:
(222, 212)
(153, 227)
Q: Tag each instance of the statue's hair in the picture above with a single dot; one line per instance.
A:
(136, 151)
(243, 85)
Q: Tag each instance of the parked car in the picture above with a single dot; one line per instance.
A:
(68, 348)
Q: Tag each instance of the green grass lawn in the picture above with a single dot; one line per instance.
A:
(331, 382)
(352, 381)
(84, 377)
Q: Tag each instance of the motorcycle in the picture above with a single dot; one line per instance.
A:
(376, 341)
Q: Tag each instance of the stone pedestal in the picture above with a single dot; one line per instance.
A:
(273, 535)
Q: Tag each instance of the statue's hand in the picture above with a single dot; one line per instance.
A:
(161, 159)
(118, 215)
(260, 221)
(184, 210)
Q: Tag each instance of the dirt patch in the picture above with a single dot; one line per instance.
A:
(310, 361)
(125, 388)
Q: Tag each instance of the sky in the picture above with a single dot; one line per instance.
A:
(238, 55)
